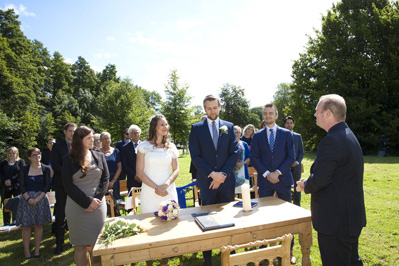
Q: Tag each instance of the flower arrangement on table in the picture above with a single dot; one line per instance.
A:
(168, 210)
(120, 228)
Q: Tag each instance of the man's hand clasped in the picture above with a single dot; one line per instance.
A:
(218, 178)
(300, 185)
(273, 177)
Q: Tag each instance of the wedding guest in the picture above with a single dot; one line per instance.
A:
(119, 145)
(60, 149)
(97, 142)
(85, 178)
(249, 131)
(34, 207)
(113, 158)
(9, 186)
(46, 155)
(155, 158)
(129, 157)
(241, 168)
(262, 124)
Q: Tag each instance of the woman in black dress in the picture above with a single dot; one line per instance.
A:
(9, 183)
(34, 207)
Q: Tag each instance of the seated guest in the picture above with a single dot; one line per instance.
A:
(9, 184)
(34, 180)
(113, 158)
(97, 142)
(85, 178)
(249, 131)
(241, 168)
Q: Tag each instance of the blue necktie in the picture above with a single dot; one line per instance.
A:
(214, 135)
(271, 139)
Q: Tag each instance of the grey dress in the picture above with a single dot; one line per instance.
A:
(84, 227)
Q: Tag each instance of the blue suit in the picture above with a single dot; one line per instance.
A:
(297, 170)
(208, 159)
(282, 157)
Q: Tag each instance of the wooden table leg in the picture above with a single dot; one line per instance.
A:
(305, 239)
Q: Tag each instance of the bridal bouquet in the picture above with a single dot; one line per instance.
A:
(120, 228)
(168, 210)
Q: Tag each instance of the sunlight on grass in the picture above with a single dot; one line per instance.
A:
(378, 244)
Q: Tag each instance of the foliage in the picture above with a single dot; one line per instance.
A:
(120, 228)
(177, 108)
(356, 56)
(235, 107)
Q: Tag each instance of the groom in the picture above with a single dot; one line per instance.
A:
(213, 150)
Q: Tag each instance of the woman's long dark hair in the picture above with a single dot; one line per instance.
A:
(78, 152)
(152, 135)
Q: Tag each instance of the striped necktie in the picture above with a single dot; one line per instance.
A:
(271, 139)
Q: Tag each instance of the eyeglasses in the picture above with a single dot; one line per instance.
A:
(36, 154)
(126, 133)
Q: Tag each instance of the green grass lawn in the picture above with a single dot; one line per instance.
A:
(378, 244)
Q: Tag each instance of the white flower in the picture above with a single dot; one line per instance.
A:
(223, 129)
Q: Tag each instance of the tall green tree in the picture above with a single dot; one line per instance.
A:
(235, 107)
(177, 108)
(355, 55)
(121, 105)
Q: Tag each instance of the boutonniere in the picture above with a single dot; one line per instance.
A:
(223, 129)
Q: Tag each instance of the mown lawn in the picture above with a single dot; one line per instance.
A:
(379, 242)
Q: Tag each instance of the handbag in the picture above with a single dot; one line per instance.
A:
(129, 201)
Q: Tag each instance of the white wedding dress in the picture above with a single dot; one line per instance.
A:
(157, 166)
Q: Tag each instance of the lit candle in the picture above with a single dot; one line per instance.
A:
(246, 197)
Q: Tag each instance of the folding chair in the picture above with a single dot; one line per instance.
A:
(181, 194)
(256, 256)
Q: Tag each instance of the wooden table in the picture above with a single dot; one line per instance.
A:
(271, 218)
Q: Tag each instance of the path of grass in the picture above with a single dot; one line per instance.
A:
(379, 242)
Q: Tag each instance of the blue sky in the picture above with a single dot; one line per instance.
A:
(248, 43)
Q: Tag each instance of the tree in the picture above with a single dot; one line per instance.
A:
(282, 100)
(121, 105)
(356, 56)
(177, 108)
(235, 108)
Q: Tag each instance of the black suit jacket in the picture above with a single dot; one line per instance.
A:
(46, 157)
(74, 192)
(336, 184)
(129, 164)
(60, 149)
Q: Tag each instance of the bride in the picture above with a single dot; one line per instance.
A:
(155, 158)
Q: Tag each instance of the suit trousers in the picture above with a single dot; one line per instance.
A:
(296, 196)
(283, 191)
(59, 210)
(339, 250)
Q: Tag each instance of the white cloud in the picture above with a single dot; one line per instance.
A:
(20, 10)
(188, 25)
(110, 38)
(97, 68)
(106, 55)
(69, 61)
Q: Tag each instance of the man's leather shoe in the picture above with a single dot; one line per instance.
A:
(58, 250)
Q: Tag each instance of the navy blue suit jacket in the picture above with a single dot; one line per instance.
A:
(282, 157)
(208, 159)
(298, 145)
(336, 184)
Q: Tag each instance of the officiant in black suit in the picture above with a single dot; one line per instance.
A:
(336, 186)
(60, 149)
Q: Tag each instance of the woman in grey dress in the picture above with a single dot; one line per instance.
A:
(85, 178)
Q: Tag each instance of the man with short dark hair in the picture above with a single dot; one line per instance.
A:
(272, 154)
(46, 155)
(296, 167)
(213, 149)
(60, 149)
(336, 186)
(119, 145)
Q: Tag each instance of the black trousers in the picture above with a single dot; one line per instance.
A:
(59, 210)
(339, 250)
